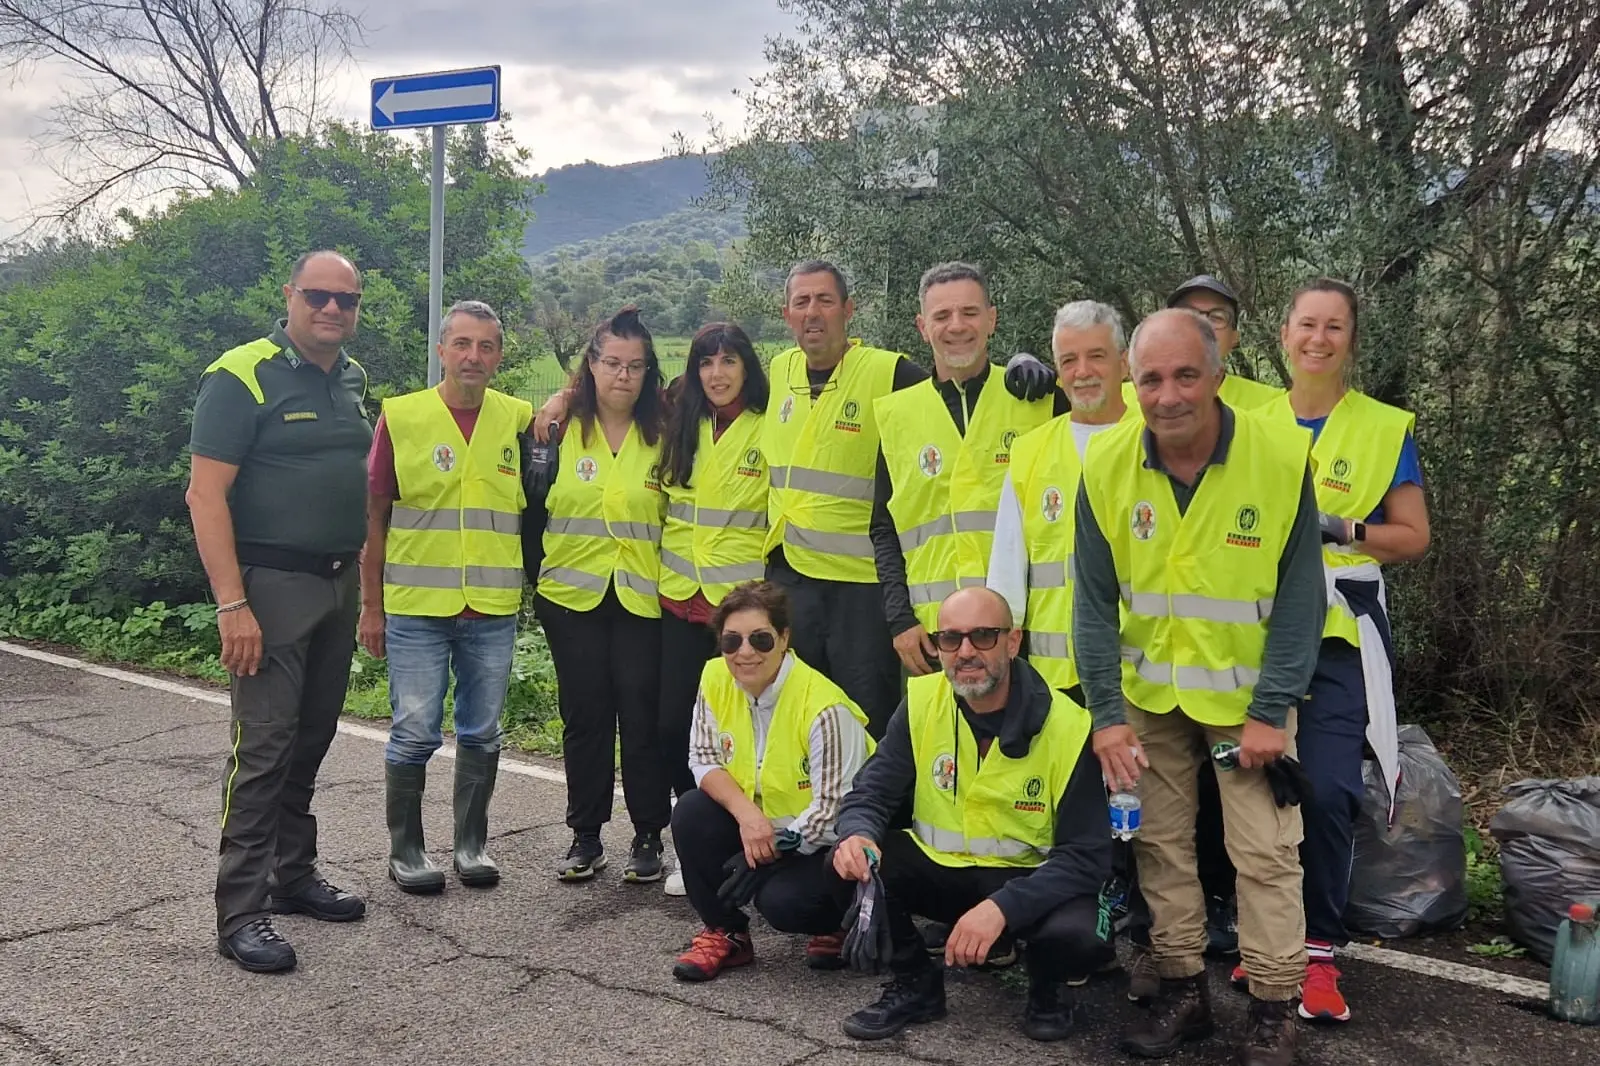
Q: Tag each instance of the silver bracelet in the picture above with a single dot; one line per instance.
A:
(236, 605)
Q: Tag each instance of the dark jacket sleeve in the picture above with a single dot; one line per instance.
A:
(534, 515)
(1096, 628)
(882, 786)
(1080, 861)
(886, 553)
(1294, 632)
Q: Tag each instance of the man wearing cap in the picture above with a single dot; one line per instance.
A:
(1212, 298)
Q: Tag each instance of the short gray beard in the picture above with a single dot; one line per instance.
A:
(972, 690)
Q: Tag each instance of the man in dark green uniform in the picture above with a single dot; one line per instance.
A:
(277, 492)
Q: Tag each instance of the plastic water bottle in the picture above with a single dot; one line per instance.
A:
(1124, 814)
(1575, 968)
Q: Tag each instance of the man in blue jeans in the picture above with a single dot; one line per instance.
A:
(441, 585)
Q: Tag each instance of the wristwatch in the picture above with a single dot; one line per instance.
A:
(1358, 532)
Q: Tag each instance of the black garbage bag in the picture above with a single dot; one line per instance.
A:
(1409, 876)
(1549, 834)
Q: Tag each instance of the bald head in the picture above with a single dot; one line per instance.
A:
(1175, 327)
(978, 621)
(1177, 371)
(975, 607)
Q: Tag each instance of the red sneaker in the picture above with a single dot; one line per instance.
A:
(1320, 998)
(1239, 979)
(826, 952)
(711, 952)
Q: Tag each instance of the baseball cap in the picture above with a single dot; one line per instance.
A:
(1206, 283)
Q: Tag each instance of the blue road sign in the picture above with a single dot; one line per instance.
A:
(445, 98)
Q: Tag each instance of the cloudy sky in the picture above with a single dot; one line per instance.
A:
(607, 80)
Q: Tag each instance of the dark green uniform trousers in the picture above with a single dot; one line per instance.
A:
(284, 718)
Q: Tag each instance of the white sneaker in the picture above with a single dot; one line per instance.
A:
(674, 885)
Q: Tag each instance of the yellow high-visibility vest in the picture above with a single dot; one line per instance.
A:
(824, 459)
(605, 524)
(997, 811)
(1355, 457)
(1044, 475)
(1237, 391)
(455, 532)
(946, 485)
(1197, 589)
(785, 770)
(717, 526)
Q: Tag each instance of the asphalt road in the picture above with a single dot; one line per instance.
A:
(109, 802)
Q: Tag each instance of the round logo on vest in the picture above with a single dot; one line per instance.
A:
(1143, 521)
(1051, 503)
(444, 457)
(786, 409)
(587, 468)
(944, 772)
(725, 748)
(929, 461)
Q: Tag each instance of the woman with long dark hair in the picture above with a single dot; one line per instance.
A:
(715, 478)
(592, 547)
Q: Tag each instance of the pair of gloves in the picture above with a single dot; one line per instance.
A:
(741, 881)
(867, 944)
(1285, 776)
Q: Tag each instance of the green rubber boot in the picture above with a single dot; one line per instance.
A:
(409, 865)
(475, 774)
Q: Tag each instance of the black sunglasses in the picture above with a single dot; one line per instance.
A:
(761, 640)
(318, 298)
(984, 638)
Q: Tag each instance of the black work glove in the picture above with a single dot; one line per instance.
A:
(1335, 530)
(740, 881)
(539, 465)
(1029, 379)
(868, 946)
(1288, 780)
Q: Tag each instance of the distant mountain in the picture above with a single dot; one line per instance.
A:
(670, 232)
(586, 201)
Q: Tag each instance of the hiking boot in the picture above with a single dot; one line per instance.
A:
(712, 951)
(908, 998)
(1271, 1035)
(1182, 1012)
(826, 952)
(585, 858)
(1144, 978)
(644, 859)
(1222, 927)
(409, 865)
(1048, 1015)
(475, 776)
(257, 947)
(1320, 998)
(322, 900)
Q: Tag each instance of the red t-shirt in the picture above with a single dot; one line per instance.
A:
(381, 478)
(697, 610)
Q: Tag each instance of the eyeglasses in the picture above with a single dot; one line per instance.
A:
(984, 638)
(618, 369)
(318, 298)
(762, 640)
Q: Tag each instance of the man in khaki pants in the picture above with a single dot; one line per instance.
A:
(1201, 525)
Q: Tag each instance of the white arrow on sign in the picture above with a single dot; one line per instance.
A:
(392, 103)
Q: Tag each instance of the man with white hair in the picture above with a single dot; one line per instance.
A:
(1198, 606)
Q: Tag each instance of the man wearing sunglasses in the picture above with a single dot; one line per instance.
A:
(276, 494)
(1009, 830)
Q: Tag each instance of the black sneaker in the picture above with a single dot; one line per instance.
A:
(906, 1000)
(644, 861)
(585, 858)
(1222, 927)
(258, 947)
(1048, 1015)
(322, 900)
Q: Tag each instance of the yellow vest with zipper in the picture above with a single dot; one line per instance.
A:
(946, 484)
(999, 811)
(1044, 475)
(1355, 457)
(823, 458)
(605, 524)
(716, 527)
(1197, 589)
(454, 534)
(784, 774)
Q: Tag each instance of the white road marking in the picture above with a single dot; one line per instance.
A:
(1395, 960)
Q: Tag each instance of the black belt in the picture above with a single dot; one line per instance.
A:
(299, 562)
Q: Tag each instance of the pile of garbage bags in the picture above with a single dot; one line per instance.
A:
(1549, 835)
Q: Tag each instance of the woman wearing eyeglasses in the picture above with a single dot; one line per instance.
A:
(592, 546)
(715, 478)
(773, 748)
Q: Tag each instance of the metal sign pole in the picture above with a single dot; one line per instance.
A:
(436, 257)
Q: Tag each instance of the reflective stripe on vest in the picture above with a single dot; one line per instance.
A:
(946, 483)
(950, 841)
(1044, 478)
(823, 455)
(716, 525)
(454, 532)
(1197, 587)
(605, 524)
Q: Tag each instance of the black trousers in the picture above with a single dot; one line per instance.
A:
(839, 628)
(284, 718)
(685, 649)
(608, 665)
(802, 895)
(1067, 942)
